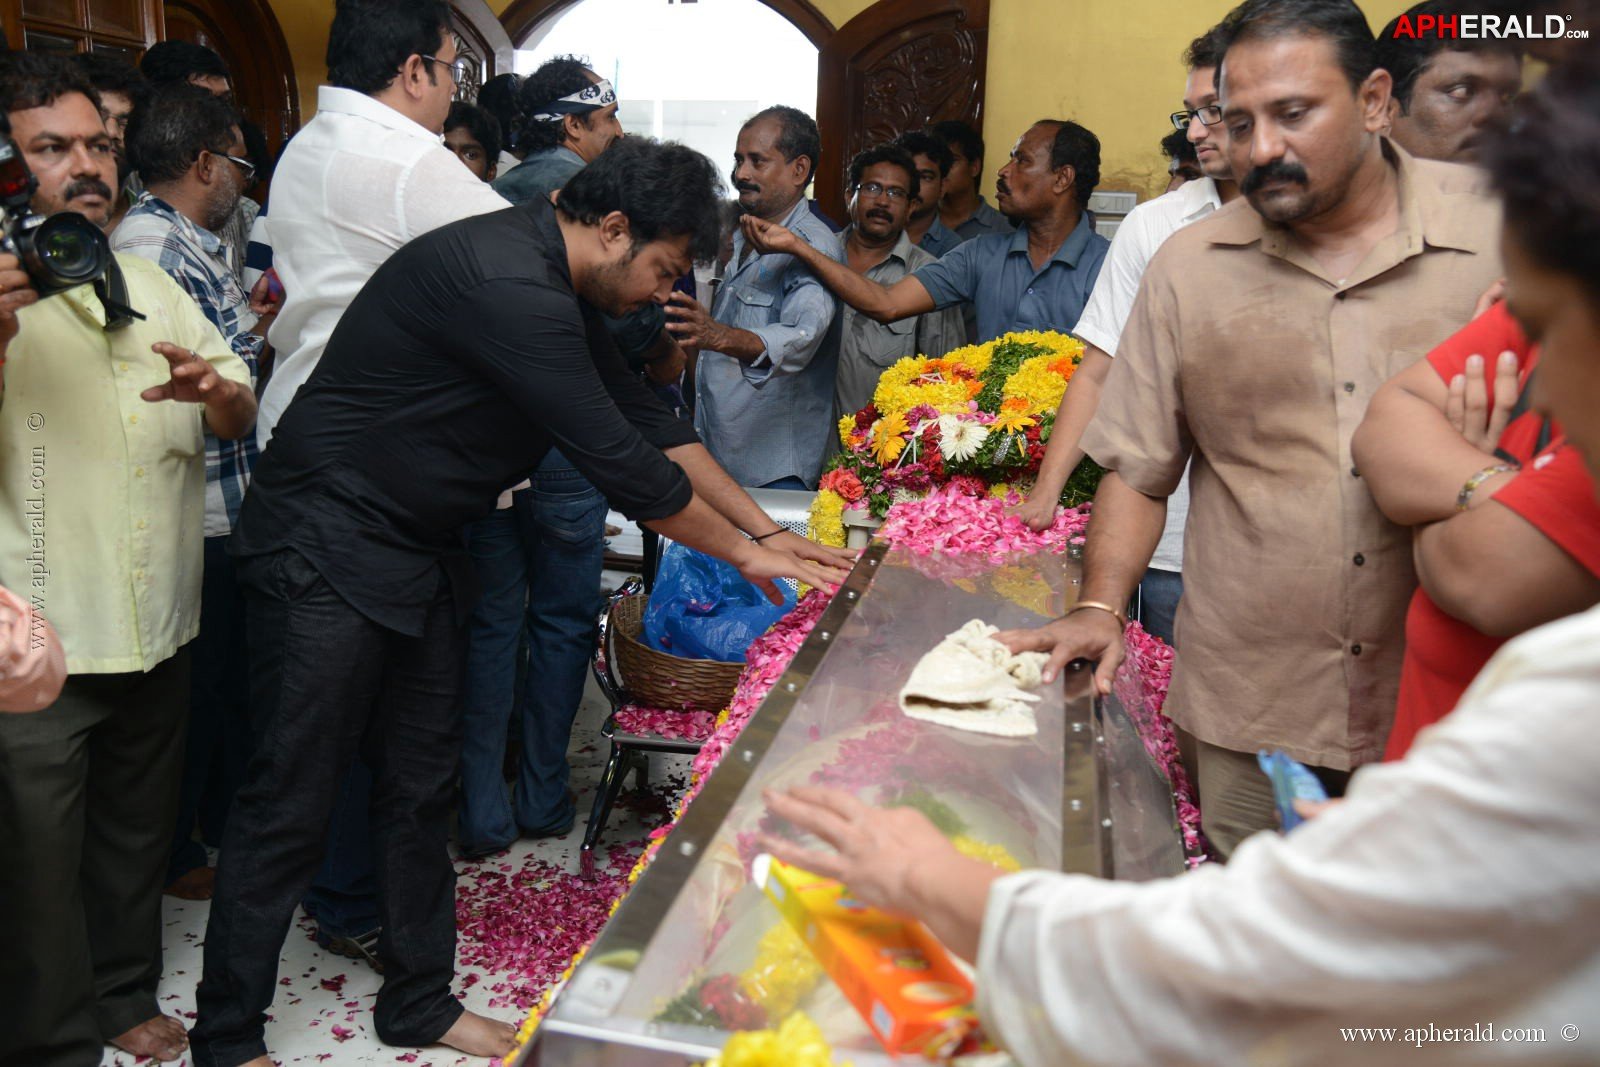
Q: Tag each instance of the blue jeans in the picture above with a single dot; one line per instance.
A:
(792, 481)
(1159, 594)
(539, 565)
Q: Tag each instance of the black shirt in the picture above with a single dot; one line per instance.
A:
(459, 364)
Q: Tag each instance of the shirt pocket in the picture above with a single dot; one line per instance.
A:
(754, 305)
(884, 344)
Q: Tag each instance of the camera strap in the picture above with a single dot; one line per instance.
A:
(113, 293)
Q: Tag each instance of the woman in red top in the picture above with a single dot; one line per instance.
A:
(1497, 551)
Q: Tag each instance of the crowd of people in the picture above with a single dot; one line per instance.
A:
(303, 511)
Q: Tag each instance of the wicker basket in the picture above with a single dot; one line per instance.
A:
(658, 680)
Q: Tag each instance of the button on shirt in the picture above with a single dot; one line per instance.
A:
(773, 418)
(102, 494)
(1240, 354)
(995, 273)
(1458, 886)
(1144, 230)
(199, 261)
(984, 220)
(867, 348)
(450, 376)
(357, 182)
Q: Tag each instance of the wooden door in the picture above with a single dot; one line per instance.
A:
(246, 35)
(899, 65)
(67, 27)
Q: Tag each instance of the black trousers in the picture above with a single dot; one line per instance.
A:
(88, 792)
(326, 683)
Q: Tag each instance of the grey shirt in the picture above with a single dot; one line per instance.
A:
(773, 418)
(866, 348)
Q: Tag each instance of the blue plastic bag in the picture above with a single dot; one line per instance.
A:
(1291, 781)
(703, 608)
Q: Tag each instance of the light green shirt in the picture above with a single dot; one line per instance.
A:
(102, 494)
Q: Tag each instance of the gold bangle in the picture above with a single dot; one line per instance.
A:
(1122, 620)
(1464, 498)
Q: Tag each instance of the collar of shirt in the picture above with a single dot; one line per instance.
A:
(901, 250)
(1426, 218)
(187, 228)
(362, 106)
(1071, 249)
(798, 214)
(1197, 199)
(939, 232)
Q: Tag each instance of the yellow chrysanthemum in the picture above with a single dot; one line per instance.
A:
(797, 1042)
(888, 438)
(912, 381)
(827, 519)
(784, 973)
(975, 357)
(1036, 383)
(984, 852)
(847, 426)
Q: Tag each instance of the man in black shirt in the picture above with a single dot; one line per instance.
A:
(470, 353)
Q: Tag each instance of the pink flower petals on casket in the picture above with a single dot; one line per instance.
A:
(954, 521)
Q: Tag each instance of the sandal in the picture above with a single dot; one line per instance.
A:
(360, 947)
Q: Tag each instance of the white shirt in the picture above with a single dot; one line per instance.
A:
(1144, 230)
(1458, 886)
(356, 183)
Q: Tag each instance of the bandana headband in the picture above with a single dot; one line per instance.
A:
(589, 98)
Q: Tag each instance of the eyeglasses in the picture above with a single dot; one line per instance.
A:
(893, 192)
(1208, 116)
(459, 67)
(245, 165)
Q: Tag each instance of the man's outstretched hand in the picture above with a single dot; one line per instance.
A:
(764, 566)
(768, 237)
(840, 560)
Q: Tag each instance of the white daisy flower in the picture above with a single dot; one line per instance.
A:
(960, 438)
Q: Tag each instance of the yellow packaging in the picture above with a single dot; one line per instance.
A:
(893, 971)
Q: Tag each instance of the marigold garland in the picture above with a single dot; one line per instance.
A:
(983, 412)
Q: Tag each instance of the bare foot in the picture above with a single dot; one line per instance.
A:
(193, 885)
(163, 1038)
(478, 1036)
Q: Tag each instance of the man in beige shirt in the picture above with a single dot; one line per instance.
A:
(1256, 340)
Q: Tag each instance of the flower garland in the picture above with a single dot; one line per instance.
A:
(982, 413)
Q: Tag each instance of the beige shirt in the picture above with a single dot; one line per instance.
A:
(1243, 353)
(102, 494)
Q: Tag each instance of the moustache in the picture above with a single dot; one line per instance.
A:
(1273, 172)
(884, 215)
(747, 187)
(1001, 187)
(86, 187)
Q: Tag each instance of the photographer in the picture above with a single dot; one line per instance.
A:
(102, 495)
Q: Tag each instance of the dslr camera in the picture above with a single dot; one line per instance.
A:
(60, 251)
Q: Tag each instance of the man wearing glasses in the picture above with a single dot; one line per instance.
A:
(1100, 328)
(883, 184)
(187, 144)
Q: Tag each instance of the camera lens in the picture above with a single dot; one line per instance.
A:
(71, 249)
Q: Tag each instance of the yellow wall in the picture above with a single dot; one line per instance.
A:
(1113, 65)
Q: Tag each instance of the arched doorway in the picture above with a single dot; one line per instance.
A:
(246, 34)
(899, 65)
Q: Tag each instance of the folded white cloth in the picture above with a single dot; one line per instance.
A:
(970, 681)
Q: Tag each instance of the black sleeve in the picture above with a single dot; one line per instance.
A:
(530, 340)
(637, 401)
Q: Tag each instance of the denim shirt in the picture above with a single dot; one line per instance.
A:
(773, 418)
(995, 273)
(539, 175)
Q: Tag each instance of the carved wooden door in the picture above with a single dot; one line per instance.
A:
(899, 65)
(246, 34)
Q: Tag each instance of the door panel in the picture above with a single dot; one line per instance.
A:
(899, 65)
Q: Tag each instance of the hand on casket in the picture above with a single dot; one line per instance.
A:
(890, 858)
(1091, 635)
